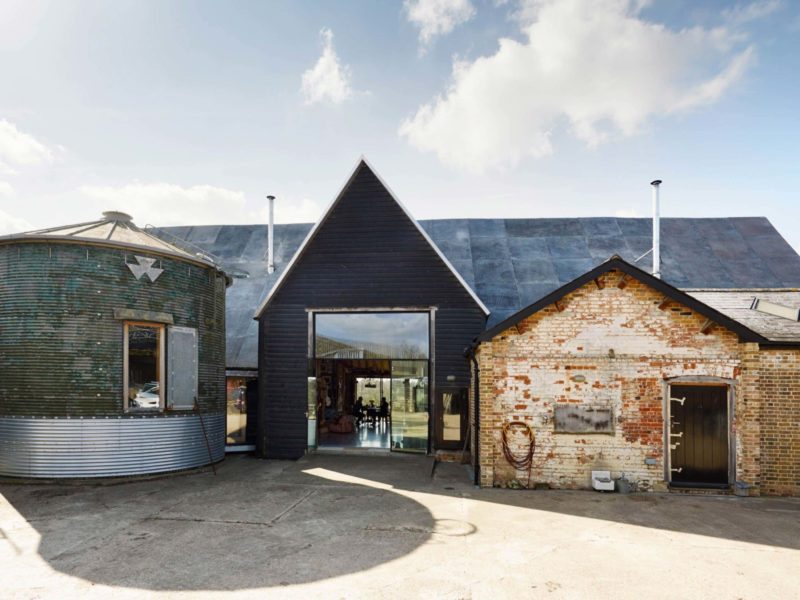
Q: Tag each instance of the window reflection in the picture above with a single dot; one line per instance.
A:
(453, 411)
(371, 335)
(144, 386)
(410, 405)
(236, 420)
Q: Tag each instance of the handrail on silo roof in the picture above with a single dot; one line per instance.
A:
(182, 243)
(198, 251)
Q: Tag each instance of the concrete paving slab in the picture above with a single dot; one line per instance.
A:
(389, 526)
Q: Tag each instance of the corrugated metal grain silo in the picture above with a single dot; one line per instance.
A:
(112, 353)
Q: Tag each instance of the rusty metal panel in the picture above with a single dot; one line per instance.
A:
(571, 418)
(108, 447)
(181, 367)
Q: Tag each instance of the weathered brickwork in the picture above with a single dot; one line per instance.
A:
(779, 387)
(611, 347)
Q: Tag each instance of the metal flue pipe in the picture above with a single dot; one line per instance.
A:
(271, 236)
(656, 229)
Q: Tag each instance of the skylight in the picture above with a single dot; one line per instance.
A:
(778, 310)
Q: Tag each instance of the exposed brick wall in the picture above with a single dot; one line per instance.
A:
(779, 387)
(747, 423)
(608, 346)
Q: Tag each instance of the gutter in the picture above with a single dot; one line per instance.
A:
(779, 344)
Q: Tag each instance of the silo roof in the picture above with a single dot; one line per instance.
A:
(115, 228)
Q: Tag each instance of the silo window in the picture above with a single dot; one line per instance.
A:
(144, 366)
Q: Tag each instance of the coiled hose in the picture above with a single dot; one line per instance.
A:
(522, 462)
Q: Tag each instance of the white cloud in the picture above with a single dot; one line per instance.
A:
(5, 189)
(744, 13)
(595, 66)
(437, 17)
(10, 224)
(291, 210)
(166, 204)
(20, 149)
(328, 80)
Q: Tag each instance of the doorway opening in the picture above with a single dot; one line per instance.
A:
(699, 426)
(368, 379)
(371, 404)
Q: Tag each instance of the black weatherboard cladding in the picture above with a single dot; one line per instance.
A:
(366, 254)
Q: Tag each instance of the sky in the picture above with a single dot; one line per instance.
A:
(193, 112)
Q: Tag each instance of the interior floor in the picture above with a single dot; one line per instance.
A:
(367, 435)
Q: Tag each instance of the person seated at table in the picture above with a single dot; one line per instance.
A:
(372, 412)
(358, 410)
(383, 412)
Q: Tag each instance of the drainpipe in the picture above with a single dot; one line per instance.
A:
(476, 468)
(271, 236)
(656, 229)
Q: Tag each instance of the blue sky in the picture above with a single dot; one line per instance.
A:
(191, 112)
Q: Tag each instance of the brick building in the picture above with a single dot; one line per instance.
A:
(621, 371)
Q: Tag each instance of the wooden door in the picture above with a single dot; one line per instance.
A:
(699, 434)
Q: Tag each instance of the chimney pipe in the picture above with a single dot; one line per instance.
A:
(656, 229)
(271, 236)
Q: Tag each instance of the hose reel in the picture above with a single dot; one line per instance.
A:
(520, 461)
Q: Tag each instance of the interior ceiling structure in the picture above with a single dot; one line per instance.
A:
(511, 263)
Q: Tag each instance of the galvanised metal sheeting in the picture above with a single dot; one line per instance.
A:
(61, 349)
(105, 447)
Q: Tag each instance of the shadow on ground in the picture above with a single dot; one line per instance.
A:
(271, 523)
(255, 524)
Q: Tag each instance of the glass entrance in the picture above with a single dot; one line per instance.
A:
(368, 380)
(409, 404)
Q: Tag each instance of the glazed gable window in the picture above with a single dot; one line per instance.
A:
(144, 367)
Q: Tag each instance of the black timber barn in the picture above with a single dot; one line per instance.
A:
(366, 254)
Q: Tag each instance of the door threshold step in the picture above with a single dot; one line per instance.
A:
(694, 490)
(348, 450)
(454, 456)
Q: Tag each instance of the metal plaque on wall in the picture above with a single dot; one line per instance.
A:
(572, 418)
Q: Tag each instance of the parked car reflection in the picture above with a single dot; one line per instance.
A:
(148, 397)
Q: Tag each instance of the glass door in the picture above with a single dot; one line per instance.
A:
(312, 404)
(409, 405)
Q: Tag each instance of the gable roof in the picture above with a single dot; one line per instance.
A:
(363, 164)
(616, 263)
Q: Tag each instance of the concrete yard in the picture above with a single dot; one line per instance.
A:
(368, 527)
